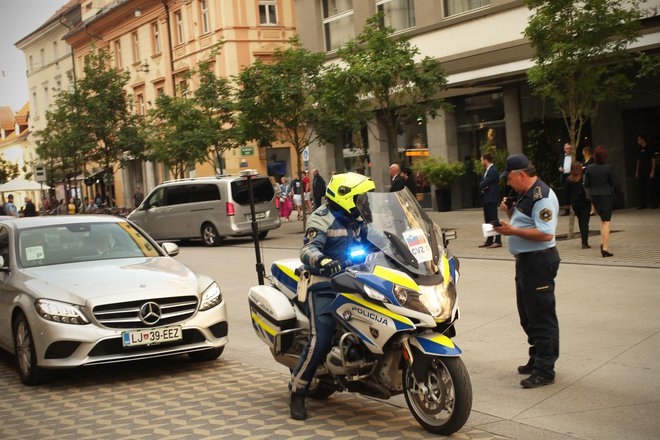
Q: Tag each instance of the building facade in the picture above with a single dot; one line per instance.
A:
(160, 42)
(481, 46)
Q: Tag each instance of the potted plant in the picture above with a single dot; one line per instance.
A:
(441, 173)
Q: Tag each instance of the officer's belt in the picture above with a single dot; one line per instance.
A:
(541, 251)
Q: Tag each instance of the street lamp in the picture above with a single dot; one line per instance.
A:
(249, 175)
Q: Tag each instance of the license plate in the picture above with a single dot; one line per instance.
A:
(151, 336)
(258, 215)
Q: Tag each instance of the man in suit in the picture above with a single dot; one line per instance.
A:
(564, 166)
(318, 188)
(397, 180)
(490, 196)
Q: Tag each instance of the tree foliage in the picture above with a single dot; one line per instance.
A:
(391, 80)
(65, 144)
(8, 170)
(581, 55)
(214, 97)
(178, 134)
(107, 110)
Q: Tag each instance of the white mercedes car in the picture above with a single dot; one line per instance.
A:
(86, 290)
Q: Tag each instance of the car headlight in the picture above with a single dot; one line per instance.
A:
(439, 300)
(371, 293)
(60, 312)
(211, 297)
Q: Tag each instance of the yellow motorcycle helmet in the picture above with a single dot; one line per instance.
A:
(343, 189)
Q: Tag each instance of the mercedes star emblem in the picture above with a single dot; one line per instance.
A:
(150, 313)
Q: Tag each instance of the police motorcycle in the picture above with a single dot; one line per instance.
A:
(395, 313)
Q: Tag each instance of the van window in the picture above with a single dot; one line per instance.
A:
(156, 199)
(262, 189)
(204, 193)
(176, 195)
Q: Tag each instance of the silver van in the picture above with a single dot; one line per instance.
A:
(210, 208)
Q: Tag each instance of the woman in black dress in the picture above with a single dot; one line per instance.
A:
(599, 182)
(577, 197)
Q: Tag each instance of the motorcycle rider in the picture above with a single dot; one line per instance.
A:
(331, 231)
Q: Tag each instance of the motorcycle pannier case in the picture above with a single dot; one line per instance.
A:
(271, 314)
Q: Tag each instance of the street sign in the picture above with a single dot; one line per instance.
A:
(305, 155)
(247, 151)
(39, 173)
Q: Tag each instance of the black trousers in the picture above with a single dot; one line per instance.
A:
(582, 210)
(322, 327)
(490, 215)
(647, 190)
(535, 296)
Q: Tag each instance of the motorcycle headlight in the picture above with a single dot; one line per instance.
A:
(373, 294)
(211, 297)
(60, 312)
(439, 300)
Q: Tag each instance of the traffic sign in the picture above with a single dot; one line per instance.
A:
(247, 151)
(39, 173)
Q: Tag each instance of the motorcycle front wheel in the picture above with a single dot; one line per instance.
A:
(443, 401)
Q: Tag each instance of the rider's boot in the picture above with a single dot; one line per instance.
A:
(297, 403)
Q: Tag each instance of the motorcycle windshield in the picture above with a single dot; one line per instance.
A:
(400, 228)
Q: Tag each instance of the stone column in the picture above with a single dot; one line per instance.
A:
(443, 142)
(149, 179)
(512, 119)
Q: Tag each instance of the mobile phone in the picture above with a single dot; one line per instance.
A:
(496, 223)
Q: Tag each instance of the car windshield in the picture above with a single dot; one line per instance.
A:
(399, 227)
(75, 242)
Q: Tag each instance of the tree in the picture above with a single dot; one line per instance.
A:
(214, 97)
(581, 55)
(178, 134)
(106, 109)
(65, 143)
(390, 81)
(8, 170)
(290, 100)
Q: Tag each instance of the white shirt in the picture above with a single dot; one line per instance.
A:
(567, 164)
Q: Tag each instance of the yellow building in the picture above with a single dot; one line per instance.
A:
(159, 42)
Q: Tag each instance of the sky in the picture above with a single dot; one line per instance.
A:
(19, 18)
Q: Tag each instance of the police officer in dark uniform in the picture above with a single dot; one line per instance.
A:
(532, 241)
(331, 231)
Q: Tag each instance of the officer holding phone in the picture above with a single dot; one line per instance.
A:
(531, 240)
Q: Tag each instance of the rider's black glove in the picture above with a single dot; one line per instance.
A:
(329, 267)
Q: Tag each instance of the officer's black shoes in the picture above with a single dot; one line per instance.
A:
(527, 368)
(535, 381)
(297, 404)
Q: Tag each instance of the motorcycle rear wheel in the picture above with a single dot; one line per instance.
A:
(444, 405)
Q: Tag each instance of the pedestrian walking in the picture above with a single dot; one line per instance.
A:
(138, 197)
(490, 197)
(30, 209)
(318, 188)
(531, 232)
(645, 173)
(580, 203)
(599, 182)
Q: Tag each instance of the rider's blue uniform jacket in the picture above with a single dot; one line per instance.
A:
(330, 233)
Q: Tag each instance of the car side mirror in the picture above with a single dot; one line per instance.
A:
(170, 249)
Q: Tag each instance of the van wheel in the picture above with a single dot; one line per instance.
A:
(210, 235)
(263, 235)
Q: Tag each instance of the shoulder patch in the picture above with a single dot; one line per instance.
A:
(545, 215)
(323, 210)
(311, 233)
(538, 194)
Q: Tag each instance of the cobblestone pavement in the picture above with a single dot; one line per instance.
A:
(174, 398)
